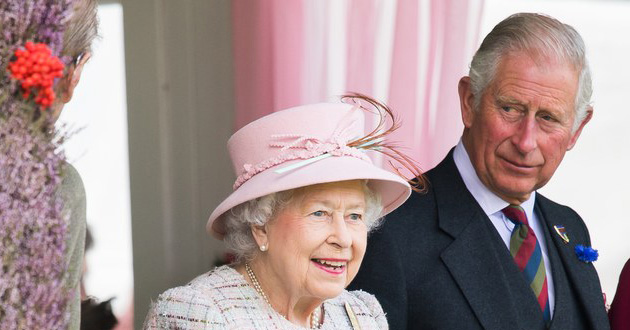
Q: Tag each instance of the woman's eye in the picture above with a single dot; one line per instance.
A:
(356, 217)
(319, 213)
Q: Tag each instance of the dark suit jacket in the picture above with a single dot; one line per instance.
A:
(620, 309)
(438, 263)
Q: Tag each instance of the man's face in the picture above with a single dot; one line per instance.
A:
(523, 127)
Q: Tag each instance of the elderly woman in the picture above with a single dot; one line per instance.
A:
(305, 198)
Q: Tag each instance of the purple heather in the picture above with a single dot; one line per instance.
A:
(33, 221)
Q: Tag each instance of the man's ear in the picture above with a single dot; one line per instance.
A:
(466, 101)
(578, 131)
(72, 78)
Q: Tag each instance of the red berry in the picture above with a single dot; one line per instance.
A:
(36, 69)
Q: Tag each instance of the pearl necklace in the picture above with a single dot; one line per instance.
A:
(315, 321)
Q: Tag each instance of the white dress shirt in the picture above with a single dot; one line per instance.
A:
(492, 206)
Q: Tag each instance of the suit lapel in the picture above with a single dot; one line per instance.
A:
(561, 315)
(582, 277)
(475, 267)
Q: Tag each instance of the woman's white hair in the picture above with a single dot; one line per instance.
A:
(259, 211)
(538, 35)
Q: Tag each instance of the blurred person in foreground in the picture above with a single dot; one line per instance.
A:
(305, 199)
(44, 46)
(482, 249)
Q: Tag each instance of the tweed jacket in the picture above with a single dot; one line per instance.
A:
(438, 263)
(222, 299)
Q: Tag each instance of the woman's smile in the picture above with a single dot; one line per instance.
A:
(331, 266)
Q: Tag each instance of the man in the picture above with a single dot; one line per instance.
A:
(481, 249)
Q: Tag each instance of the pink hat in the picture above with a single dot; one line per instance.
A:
(302, 146)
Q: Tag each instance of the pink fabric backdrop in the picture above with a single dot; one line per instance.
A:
(361, 27)
(279, 61)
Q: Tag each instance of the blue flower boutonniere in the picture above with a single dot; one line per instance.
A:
(586, 253)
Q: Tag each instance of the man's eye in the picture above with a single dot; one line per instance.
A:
(507, 108)
(547, 117)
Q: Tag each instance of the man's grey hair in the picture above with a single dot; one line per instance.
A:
(82, 29)
(540, 36)
(259, 211)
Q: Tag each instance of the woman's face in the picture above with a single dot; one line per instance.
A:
(317, 241)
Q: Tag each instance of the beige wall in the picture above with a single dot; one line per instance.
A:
(179, 97)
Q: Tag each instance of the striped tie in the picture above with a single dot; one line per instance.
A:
(527, 255)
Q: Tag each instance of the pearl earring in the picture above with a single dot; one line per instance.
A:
(263, 248)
